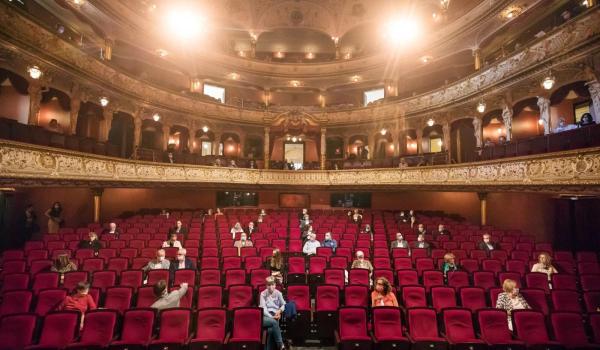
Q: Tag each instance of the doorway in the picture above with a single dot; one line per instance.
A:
(294, 153)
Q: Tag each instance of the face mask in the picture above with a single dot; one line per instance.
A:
(181, 257)
(161, 258)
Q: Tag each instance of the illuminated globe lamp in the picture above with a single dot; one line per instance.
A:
(156, 117)
(104, 101)
(548, 82)
(481, 106)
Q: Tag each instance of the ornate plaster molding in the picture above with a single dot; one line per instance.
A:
(573, 171)
(562, 46)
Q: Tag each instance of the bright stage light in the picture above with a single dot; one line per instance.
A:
(402, 31)
(186, 23)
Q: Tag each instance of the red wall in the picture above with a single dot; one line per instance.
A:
(532, 213)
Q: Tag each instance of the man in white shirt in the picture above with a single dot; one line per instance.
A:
(310, 247)
(159, 262)
(172, 242)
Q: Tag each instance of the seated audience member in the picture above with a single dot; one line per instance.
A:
(179, 229)
(361, 263)
(181, 262)
(54, 126)
(488, 143)
(79, 301)
(243, 242)
(302, 214)
(383, 295)
(402, 217)
(449, 264)
(487, 244)
(165, 213)
(442, 230)
(166, 300)
(329, 242)
(251, 228)
(311, 245)
(399, 242)
(158, 263)
(232, 164)
(420, 243)
(413, 221)
(511, 299)
(368, 230)
(563, 126)
(275, 264)
(273, 305)
(355, 216)
(262, 213)
(218, 212)
(421, 229)
(305, 222)
(259, 220)
(62, 265)
(307, 232)
(172, 242)
(502, 140)
(236, 229)
(544, 265)
(91, 243)
(112, 230)
(586, 119)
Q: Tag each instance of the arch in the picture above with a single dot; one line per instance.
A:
(254, 146)
(334, 147)
(410, 139)
(462, 140)
(152, 135)
(231, 144)
(526, 115)
(433, 137)
(55, 105)
(14, 99)
(121, 133)
(569, 101)
(356, 144)
(88, 120)
(384, 146)
(493, 126)
(179, 136)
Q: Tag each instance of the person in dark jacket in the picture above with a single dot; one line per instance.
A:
(487, 244)
(91, 243)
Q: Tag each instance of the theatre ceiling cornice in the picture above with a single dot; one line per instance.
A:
(569, 45)
(561, 172)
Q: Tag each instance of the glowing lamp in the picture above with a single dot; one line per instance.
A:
(104, 101)
(34, 72)
(430, 122)
(205, 128)
(481, 107)
(156, 117)
(548, 82)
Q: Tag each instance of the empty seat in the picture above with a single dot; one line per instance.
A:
(494, 329)
(387, 328)
(210, 297)
(234, 277)
(407, 278)
(356, 277)
(536, 298)
(590, 282)
(174, 329)
(432, 278)
(15, 281)
(414, 296)
(327, 303)
(247, 328)
(210, 277)
(423, 329)
(356, 295)
(58, 330)
(145, 297)
(564, 282)
(565, 300)
(48, 300)
(569, 330)
(352, 329)
(472, 298)
(210, 329)
(98, 329)
(484, 279)
(530, 327)
(118, 298)
(137, 329)
(537, 280)
(592, 301)
(458, 324)
(17, 330)
(458, 279)
(239, 296)
(443, 297)
(16, 301)
(336, 277)
(131, 278)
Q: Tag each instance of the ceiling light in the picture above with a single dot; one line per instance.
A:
(162, 53)
(481, 106)
(511, 12)
(288, 138)
(279, 54)
(430, 122)
(185, 23)
(205, 128)
(355, 79)
(295, 83)
(383, 131)
(156, 117)
(401, 30)
(499, 131)
(104, 101)
(34, 72)
(310, 55)
(294, 139)
(234, 76)
(548, 82)
(300, 139)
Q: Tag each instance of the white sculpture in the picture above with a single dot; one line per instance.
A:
(544, 105)
(478, 131)
(507, 115)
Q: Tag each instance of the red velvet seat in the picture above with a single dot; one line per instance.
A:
(530, 327)
(356, 295)
(58, 330)
(458, 326)
(443, 297)
(247, 329)
(137, 329)
(45, 280)
(239, 296)
(472, 298)
(98, 330)
(352, 329)
(327, 303)
(388, 330)
(423, 329)
(407, 278)
(15, 281)
(16, 301)
(210, 329)
(118, 298)
(569, 330)
(494, 329)
(17, 330)
(413, 296)
(566, 301)
(174, 329)
(234, 277)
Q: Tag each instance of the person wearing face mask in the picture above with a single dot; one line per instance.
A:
(181, 262)
(158, 263)
(442, 230)
(329, 242)
(420, 243)
(236, 229)
(399, 242)
(243, 242)
(273, 305)
(112, 230)
(402, 217)
(487, 244)
(368, 230)
(166, 300)
(251, 228)
(361, 263)
(511, 300)
(311, 245)
(383, 295)
(421, 229)
(172, 242)
(91, 243)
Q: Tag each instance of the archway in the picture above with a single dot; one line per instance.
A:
(526, 116)
(462, 140)
(121, 133)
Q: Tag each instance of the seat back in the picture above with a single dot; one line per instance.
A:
(356, 295)
(414, 296)
(137, 326)
(352, 323)
(16, 301)
(472, 298)
(530, 326)
(239, 296)
(16, 330)
(59, 329)
(358, 277)
(145, 296)
(335, 277)
(422, 323)
(174, 325)
(387, 323)
(443, 297)
(493, 326)
(300, 294)
(99, 327)
(569, 330)
(48, 300)
(247, 324)
(210, 324)
(210, 277)
(458, 324)
(118, 298)
(327, 298)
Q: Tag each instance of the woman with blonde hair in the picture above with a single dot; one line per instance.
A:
(511, 300)
(383, 295)
(449, 264)
(544, 265)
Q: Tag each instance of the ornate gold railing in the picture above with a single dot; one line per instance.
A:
(571, 171)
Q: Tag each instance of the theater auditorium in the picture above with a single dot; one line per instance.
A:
(300, 174)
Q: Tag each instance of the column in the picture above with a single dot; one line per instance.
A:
(267, 96)
(478, 131)
(594, 88)
(507, 116)
(253, 48)
(107, 116)
(137, 131)
(322, 99)
(336, 42)
(266, 147)
(166, 129)
(419, 141)
(477, 58)
(108, 47)
(97, 193)
(35, 99)
(483, 205)
(371, 143)
(323, 148)
(544, 105)
(447, 139)
(74, 113)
